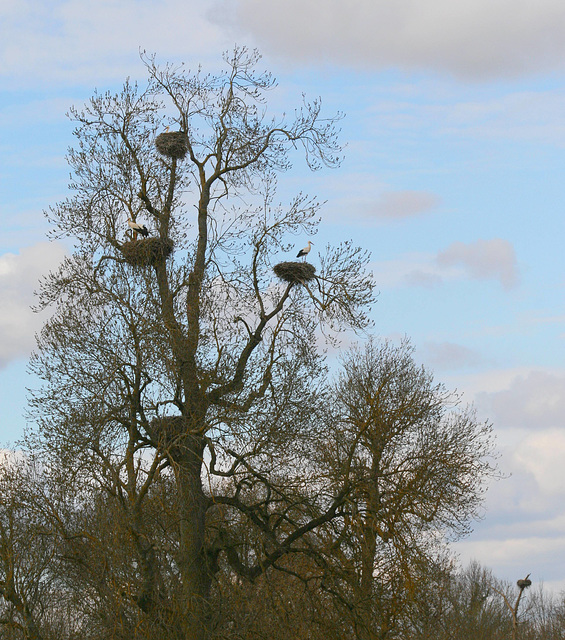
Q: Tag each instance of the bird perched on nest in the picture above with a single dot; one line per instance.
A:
(138, 228)
(304, 252)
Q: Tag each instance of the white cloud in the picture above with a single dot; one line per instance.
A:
(10, 458)
(79, 41)
(494, 380)
(471, 38)
(411, 269)
(527, 116)
(75, 40)
(367, 204)
(520, 115)
(512, 557)
(524, 525)
(448, 355)
(402, 204)
(542, 454)
(483, 259)
(19, 275)
(523, 522)
(534, 400)
(422, 277)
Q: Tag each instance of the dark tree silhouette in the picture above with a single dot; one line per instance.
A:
(177, 367)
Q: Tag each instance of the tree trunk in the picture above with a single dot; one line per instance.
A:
(366, 605)
(192, 559)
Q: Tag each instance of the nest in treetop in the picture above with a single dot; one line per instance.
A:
(173, 144)
(295, 272)
(524, 583)
(147, 251)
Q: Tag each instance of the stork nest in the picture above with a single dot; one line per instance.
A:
(173, 144)
(147, 251)
(295, 272)
(524, 583)
(167, 429)
(173, 434)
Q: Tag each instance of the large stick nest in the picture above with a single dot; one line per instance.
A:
(173, 433)
(524, 583)
(167, 429)
(146, 252)
(173, 144)
(295, 272)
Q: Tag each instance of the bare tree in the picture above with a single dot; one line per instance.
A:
(176, 368)
(417, 465)
(456, 604)
(31, 593)
(523, 583)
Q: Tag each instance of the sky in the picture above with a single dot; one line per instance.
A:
(454, 139)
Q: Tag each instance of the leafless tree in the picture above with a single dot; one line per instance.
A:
(416, 463)
(513, 608)
(177, 371)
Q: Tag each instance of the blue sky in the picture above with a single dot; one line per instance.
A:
(453, 178)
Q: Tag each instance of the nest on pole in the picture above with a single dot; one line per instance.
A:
(524, 583)
(146, 252)
(295, 272)
(173, 144)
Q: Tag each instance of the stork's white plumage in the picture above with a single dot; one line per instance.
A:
(138, 228)
(304, 252)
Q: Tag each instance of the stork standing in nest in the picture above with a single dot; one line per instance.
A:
(138, 228)
(304, 252)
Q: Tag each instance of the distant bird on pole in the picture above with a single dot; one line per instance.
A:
(304, 252)
(138, 228)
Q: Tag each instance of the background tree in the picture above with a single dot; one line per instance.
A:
(459, 604)
(24, 556)
(544, 616)
(179, 380)
(513, 604)
(416, 464)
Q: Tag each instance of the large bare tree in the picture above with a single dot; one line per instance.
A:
(179, 372)
(416, 464)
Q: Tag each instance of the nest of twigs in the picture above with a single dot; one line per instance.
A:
(173, 434)
(295, 272)
(524, 583)
(146, 252)
(173, 144)
(167, 429)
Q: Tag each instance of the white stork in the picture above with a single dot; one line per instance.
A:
(304, 252)
(138, 228)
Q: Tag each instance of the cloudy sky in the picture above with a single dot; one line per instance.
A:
(453, 178)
